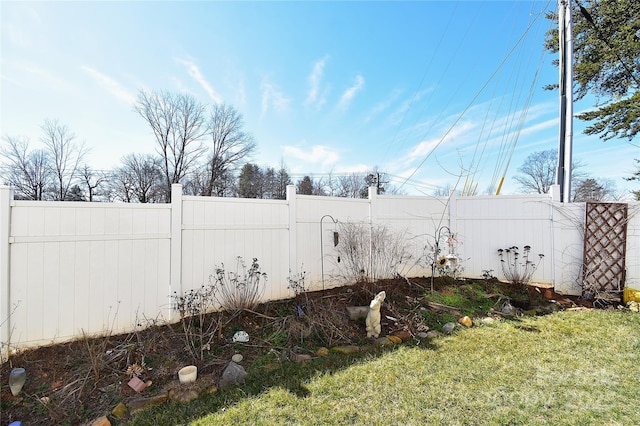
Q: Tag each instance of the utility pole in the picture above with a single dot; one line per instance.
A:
(379, 183)
(565, 139)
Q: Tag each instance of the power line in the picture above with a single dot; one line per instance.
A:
(473, 100)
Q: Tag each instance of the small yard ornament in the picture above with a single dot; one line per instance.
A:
(373, 317)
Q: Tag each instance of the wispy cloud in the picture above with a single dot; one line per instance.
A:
(454, 139)
(272, 97)
(351, 92)
(383, 105)
(19, 26)
(194, 72)
(317, 154)
(314, 83)
(112, 86)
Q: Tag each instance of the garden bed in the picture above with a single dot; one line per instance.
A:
(75, 382)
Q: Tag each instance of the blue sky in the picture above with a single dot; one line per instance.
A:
(425, 91)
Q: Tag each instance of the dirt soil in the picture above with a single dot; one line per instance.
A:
(76, 382)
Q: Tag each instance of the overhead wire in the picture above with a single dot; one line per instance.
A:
(469, 188)
(445, 71)
(419, 89)
(473, 100)
(515, 134)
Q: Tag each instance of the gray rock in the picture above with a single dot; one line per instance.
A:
(507, 309)
(383, 341)
(432, 334)
(449, 327)
(357, 312)
(487, 320)
(231, 375)
(423, 335)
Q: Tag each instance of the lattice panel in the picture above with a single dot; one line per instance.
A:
(605, 241)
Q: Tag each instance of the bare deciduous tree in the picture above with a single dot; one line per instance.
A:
(230, 146)
(92, 180)
(539, 171)
(140, 179)
(178, 123)
(27, 171)
(351, 185)
(590, 189)
(65, 156)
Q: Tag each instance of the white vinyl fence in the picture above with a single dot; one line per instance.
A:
(74, 268)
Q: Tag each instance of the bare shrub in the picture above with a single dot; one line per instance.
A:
(371, 252)
(241, 289)
(517, 268)
(198, 327)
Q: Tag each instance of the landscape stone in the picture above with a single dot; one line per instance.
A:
(395, 339)
(301, 357)
(507, 309)
(431, 334)
(383, 341)
(423, 335)
(237, 358)
(449, 327)
(349, 349)
(357, 312)
(183, 395)
(403, 334)
(322, 351)
(232, 374)
(119, 410)
(466, 321)
(101, 421)
(137, 404)
(487, 320)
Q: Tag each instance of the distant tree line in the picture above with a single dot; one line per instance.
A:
(204, 148)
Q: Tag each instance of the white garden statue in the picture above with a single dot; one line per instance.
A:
(373, 317)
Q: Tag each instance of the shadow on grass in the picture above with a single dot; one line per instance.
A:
(262, 377)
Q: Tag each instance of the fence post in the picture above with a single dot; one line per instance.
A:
(373, 196)
(293, 228)
(6, 199)
(175, 282)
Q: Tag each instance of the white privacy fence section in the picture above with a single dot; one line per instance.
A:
(69, 268)
(83, 267)
(484, 224)
(216, 231)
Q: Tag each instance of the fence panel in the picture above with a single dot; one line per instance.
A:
(485, 224)
(85, 267)
(216, 231)
(315, 217)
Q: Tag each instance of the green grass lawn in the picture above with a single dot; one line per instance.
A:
(569, 368)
